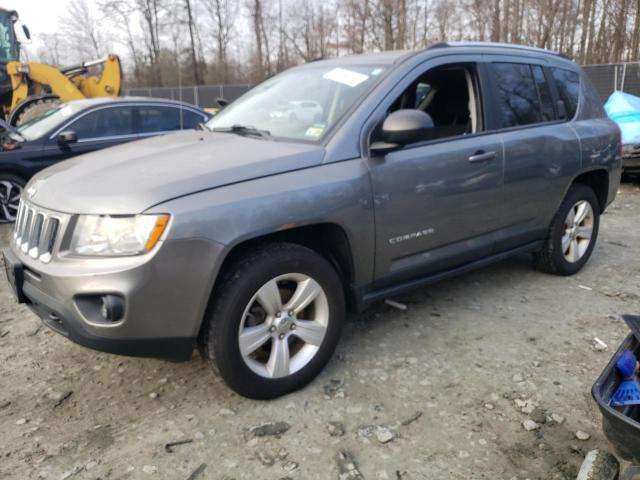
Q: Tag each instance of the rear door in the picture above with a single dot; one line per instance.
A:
(541, 151)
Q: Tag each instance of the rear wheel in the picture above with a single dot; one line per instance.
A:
(11, 187)
(275, 320)
(573, 233)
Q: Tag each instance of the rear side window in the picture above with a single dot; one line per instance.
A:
(517, 94)
(568, 85)
(165, 119)
(544, 94)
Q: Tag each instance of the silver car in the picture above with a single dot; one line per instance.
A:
(252, 237)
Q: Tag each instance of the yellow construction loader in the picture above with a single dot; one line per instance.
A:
(29, 89)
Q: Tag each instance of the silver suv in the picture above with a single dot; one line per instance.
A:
(251, 237)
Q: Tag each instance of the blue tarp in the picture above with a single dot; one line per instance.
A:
(624, 109)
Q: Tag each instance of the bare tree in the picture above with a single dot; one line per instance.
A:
(195, 64)
(222, 14)
(250, 40)
(82, 30)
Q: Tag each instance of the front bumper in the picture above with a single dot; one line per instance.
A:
(164, 294)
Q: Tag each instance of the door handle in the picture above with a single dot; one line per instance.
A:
(482, 157)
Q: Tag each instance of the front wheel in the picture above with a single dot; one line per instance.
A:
(275, 320)
(11, 187)
(573, 233)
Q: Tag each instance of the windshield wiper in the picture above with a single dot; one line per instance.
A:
(244, 130)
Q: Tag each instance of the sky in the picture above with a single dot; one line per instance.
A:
(41, 16)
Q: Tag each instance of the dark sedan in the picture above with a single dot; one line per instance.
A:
(80, 127)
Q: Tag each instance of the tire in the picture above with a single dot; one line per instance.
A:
(237, 307)
(554, 257)
(11, 187)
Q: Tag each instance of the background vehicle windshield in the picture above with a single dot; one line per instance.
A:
(301, 104)
(49, 120)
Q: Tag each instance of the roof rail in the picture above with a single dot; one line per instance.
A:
(495, 44)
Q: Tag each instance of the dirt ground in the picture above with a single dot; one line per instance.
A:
(440, 391)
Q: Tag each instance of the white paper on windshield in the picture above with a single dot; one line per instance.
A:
(66, 111)
(346, 77)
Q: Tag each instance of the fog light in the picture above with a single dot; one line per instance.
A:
(112, 308)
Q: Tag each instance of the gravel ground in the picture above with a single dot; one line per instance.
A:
(444, 390)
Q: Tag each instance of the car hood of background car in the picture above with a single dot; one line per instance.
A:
(134, 177)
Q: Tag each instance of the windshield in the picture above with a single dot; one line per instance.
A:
(49, 120)
(8, 43)
(300, 104)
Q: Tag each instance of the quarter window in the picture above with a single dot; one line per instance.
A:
(568, 85)
(517, 101)
(106, 122)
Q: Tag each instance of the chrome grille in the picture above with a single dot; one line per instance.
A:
(35, 231)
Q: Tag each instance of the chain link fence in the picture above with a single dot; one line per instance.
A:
(204, 96)
(605, 78)
(611, 77)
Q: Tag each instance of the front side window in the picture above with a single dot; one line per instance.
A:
(302, 103)
(156, 119)
(568, 85)
(449, 95)
(106, 122)
(517, 95)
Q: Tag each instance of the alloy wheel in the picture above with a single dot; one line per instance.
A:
(10, 193)
(283, 325)
(578, 229)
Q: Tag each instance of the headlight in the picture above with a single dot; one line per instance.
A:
(107, 236)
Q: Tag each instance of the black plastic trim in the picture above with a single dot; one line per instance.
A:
(376, 295)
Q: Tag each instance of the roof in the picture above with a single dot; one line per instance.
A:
(91, 102)
(397, 56)
(495, 45)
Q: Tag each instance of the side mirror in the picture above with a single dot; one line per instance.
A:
(562, 110)
(23, 35)
(404, 127)
(67, 137)
(222, 102)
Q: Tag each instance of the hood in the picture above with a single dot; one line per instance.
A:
(131, 178)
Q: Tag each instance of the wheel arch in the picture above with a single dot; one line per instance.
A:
(16, 172)
(598, 181)
(328, 239)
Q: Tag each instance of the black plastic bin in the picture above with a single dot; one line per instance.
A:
(621, 428)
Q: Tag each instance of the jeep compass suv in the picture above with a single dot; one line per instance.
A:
(251, 237)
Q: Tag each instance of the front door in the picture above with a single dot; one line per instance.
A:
(437, 203)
